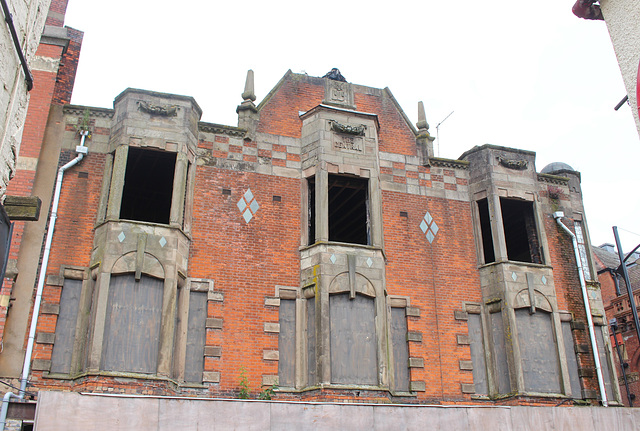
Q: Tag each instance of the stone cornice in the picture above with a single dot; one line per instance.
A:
(93, 112)
(553, 179)
(221, 129)
(448, 163)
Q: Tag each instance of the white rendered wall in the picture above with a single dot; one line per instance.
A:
(28, 18)
(623, 21)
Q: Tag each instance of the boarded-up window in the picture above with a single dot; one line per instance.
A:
(66, 326)
(400, 349)
(132, 327)
(287, 343)
(311, 342)
(477, 354)
(500, 353)
(572, 360)
(604, 362)
(540, 362)
(353, 340)
(194, 363)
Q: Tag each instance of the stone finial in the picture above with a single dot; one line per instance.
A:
(422, 124)
(249, 92)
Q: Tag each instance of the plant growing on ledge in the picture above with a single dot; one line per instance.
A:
(244, 385)
(267, 393)
(84, 124)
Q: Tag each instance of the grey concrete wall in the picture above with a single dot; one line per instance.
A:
(71, 411)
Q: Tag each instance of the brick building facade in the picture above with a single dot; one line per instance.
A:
(316, 252)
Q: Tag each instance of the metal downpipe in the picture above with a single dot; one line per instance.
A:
(26, 368)
(585, 297)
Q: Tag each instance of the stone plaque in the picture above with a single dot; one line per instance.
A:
(351, 144)
(338, 93)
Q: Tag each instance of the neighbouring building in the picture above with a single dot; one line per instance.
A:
(317, 252)
(622, 18)
(23, 23)
(618, 307)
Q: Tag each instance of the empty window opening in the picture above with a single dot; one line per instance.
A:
(148, 186)
(485, 230)
(311, 187)
(348, 210)
(520, 231)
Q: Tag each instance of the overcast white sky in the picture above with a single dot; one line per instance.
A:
(517, 74)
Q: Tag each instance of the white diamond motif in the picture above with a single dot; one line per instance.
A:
(163, 242)
(248, 205)
(333, 258)
(544, 280)
(429, 227)
(514, 277)
(121, 237)
(369, 262)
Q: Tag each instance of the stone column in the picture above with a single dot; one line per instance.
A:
(322, 205)
(167, 325)
(117, 182)
(179, 185)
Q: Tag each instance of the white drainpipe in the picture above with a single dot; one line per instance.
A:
(592, 335)
(26, 368)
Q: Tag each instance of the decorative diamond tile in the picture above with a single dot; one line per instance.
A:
(430, 236)
(429, 227)
(121, 237)
(369, 262)
(248, 205)
(514, 276)
(163, 242)
(544, 280)
(247, 216)
(424, 226)
(333, 258)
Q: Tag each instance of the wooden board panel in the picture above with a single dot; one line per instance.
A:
(311, 342)
(400, 349)
(353, 340)
(572, 360)
(133, 324)
(66, 326)
(500, 353)
(287, 343)
(540, 362)
(194, 361)
(477, 354)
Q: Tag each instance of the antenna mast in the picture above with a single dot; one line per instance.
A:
(438, 130)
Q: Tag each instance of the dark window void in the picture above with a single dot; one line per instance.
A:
(148, 186)
(520, 231)
(348, 210)
(485, 229)
(311, 183)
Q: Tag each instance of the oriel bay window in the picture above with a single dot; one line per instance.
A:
(521, 239)
(347, 209)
